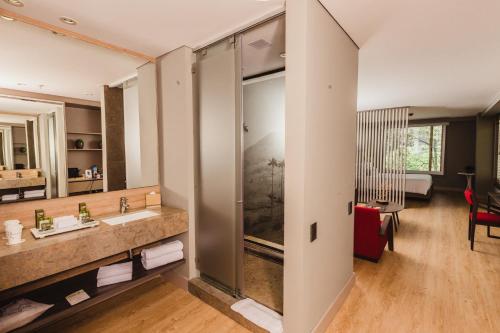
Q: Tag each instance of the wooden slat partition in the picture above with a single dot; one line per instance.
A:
(98, 204)
(381, 155)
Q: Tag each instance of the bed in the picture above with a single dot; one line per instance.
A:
(418, 186)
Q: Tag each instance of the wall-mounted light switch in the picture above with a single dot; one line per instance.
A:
(314, 231)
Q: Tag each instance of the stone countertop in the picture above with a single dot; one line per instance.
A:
(38, 258)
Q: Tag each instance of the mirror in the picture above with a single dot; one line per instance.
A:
(75, 118)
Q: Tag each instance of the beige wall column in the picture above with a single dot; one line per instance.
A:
(176, 142)
(320, 116)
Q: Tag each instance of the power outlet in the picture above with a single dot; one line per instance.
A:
(314, 231)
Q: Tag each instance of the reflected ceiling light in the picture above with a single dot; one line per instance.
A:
(17, 3)
(7, 18)
(68, 20)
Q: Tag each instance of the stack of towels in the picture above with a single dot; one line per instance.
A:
(34, 194)
(10, 197)
(114, 273)
(162, 254)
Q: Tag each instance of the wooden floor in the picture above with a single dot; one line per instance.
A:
(432, 282)
(155, 307)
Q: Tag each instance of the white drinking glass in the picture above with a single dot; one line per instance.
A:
(14, 233)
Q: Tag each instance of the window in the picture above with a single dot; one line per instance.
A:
(425, 149)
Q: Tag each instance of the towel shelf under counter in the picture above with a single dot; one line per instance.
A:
(56, 293)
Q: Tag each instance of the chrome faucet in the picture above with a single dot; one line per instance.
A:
(123, 205)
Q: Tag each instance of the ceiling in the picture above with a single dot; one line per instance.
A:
(24, 107)
(435, 55)
(153, 27)
(432, 55)
(39, 61)
(262, 46)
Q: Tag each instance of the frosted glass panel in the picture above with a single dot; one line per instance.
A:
(217, 215)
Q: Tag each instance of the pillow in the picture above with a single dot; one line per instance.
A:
(19, 313)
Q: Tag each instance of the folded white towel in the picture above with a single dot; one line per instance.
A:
(161, 250)
(163, 260)
(114, 279)
(26, 196)
(10, 197)
(33, 192)
(65, 222)
(114, 270)
(259, 315)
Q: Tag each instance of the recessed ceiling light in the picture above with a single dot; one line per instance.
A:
(17, 3)
(21, 84)
(68, 20)
(283, 55)
(7, 18)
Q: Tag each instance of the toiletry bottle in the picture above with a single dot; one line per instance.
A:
(39, 215)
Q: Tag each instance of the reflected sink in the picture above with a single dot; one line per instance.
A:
(122, 219)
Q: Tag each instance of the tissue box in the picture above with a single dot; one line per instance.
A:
(153, 199)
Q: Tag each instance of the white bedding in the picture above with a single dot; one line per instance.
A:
(415, 183)
(418, 183)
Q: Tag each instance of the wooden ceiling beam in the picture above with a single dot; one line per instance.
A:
(75, 35)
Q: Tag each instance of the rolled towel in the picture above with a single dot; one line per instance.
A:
(163, 260)
(161, 250)
(114, 270)
(10, 197)
(114, 279)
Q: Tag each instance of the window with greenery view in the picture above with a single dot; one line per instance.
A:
(425, 148)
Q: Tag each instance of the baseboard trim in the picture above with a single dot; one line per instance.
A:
(449, 189)
(328, 316)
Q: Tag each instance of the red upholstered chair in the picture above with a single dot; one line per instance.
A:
(482, 218)
(371, 234)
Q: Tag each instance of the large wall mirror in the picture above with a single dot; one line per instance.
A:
(75, 118)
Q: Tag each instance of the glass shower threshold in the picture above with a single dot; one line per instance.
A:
(264, 242)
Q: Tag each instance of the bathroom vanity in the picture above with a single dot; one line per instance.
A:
(48, 269)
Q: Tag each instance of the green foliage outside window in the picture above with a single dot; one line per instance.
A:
(424, 148)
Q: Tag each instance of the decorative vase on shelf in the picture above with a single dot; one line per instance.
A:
(79, 144)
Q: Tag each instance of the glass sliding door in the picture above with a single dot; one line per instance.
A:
(264, 158)
(219, 243)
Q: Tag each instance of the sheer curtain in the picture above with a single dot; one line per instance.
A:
(381, 155)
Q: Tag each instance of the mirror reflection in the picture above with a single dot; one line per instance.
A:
(75, 118)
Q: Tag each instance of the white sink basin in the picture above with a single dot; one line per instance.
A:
(122, 219)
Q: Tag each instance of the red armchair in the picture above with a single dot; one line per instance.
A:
(371, 234)
(482, 218)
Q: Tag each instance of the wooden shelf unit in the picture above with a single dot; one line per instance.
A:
(83, 122)
(56, 293)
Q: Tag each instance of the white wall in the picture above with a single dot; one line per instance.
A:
(264, 108)
(321, 87)
(176, 142)
(132, 134)
(148, 120)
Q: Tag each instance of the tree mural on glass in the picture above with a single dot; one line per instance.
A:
(272, 163)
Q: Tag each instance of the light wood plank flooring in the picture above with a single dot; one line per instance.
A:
(154, 307)
(432, 282)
